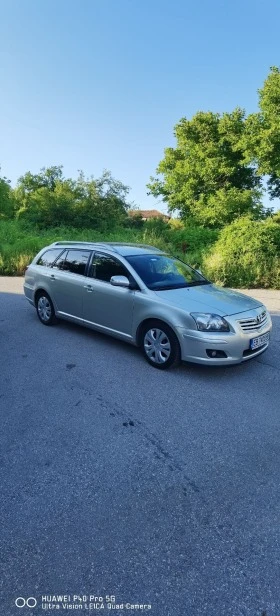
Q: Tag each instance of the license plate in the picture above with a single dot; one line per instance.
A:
(255, 343)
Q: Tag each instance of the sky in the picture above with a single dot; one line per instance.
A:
(100, 84)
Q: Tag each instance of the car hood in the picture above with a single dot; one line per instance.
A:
(206, 298)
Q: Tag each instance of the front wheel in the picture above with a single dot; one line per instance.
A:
(160, 345)
(45, 309)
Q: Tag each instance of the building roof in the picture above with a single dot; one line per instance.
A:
(148, 213)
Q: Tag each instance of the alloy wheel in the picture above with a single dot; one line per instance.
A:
(44, 308)
(157, 345)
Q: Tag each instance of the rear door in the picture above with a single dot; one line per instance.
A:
(108, 307)
(67, 279)
(37, 275)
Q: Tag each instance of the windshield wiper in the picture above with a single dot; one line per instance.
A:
(181, 286)
(199, 282)
(170, 287)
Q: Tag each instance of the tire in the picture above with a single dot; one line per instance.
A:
(45, 309)
(160, 345)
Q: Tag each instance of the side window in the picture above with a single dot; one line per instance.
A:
(59, 263)
(103, 267)
(76, 261)
(49, 257)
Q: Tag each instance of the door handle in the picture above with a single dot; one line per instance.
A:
(52, 277)
(88, 287)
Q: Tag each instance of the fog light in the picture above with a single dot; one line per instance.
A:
(215, 353)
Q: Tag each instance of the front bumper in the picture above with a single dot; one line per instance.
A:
(234, 344)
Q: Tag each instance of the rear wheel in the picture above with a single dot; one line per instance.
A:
(160, 345)
(45, 309)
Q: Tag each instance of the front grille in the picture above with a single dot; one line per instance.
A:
(254, 323)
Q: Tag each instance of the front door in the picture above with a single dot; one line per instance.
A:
(107, 307)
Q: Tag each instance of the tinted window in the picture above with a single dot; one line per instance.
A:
(49, 257)
(160, 272)
(103, 267)
(59, 263)
(76, 261)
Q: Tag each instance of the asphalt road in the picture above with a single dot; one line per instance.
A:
(118, 479)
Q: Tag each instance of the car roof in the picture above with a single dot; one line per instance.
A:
(122, 248)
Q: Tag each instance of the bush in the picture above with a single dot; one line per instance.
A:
(276, 217)
(176, 223)
(48, 198)
(192, 238)
(157, 226)
(244, 254)
(20, 242)
(134, 221)
(247, 254)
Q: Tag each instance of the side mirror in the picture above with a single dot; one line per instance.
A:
(120, 281)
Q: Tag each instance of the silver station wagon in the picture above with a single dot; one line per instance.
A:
(142, 295)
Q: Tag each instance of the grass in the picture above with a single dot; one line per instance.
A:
(19, 244)
(202, 248)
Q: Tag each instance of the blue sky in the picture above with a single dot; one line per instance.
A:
(94, 84)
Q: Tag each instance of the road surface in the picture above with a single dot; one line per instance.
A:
(159, 488)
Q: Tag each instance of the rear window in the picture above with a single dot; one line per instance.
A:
(49, 257)
(76, 261)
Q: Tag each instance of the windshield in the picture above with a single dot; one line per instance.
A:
(163, 272)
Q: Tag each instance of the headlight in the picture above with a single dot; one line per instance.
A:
(206, 322)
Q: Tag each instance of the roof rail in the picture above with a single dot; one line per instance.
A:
(65, 243)
(73, 243)
(109, 245)
(134, 244)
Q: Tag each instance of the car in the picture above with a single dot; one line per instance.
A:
(148, 298)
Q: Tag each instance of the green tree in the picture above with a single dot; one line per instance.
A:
(46, 198)
(6, 199)
(206, 176)
(28, 184)
(101, 203)
(262, 136)
(49, 199)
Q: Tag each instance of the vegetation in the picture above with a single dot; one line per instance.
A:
(216, 171)
(20, 243)
(214, 179)
(246, 255)
(206, 176)
(47, 197)
(261, 140)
